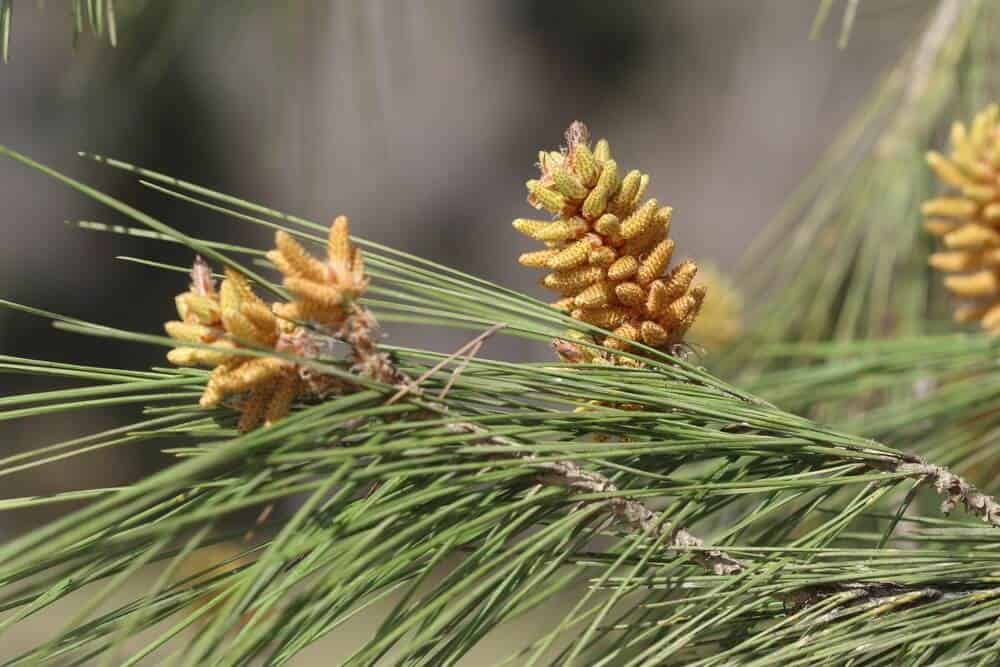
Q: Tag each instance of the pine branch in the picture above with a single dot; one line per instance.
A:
(956, 491)
(852, 598)
(640, 519)
(629, 513)
(933, 395)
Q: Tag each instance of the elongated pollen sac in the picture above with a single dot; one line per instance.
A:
(200, 322)
(967, 219)
(607, 249)
(323, 291)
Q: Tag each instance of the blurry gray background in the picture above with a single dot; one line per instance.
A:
(419, 120)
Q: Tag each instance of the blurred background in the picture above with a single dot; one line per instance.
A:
(420, 120)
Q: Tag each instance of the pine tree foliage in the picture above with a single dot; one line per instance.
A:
(691, 522)
(847, 253)
(687, 520)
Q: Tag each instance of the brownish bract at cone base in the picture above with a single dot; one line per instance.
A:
(608, 250)
(968, 220)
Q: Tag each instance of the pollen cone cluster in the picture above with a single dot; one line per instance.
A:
(224, 321)
(968, 221)
(607, 249)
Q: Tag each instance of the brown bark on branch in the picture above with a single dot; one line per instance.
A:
(956, 491)
(631, 514)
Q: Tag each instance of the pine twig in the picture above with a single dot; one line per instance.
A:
(630, 513)
(637, 516)
(956, 490)
(871, 595)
